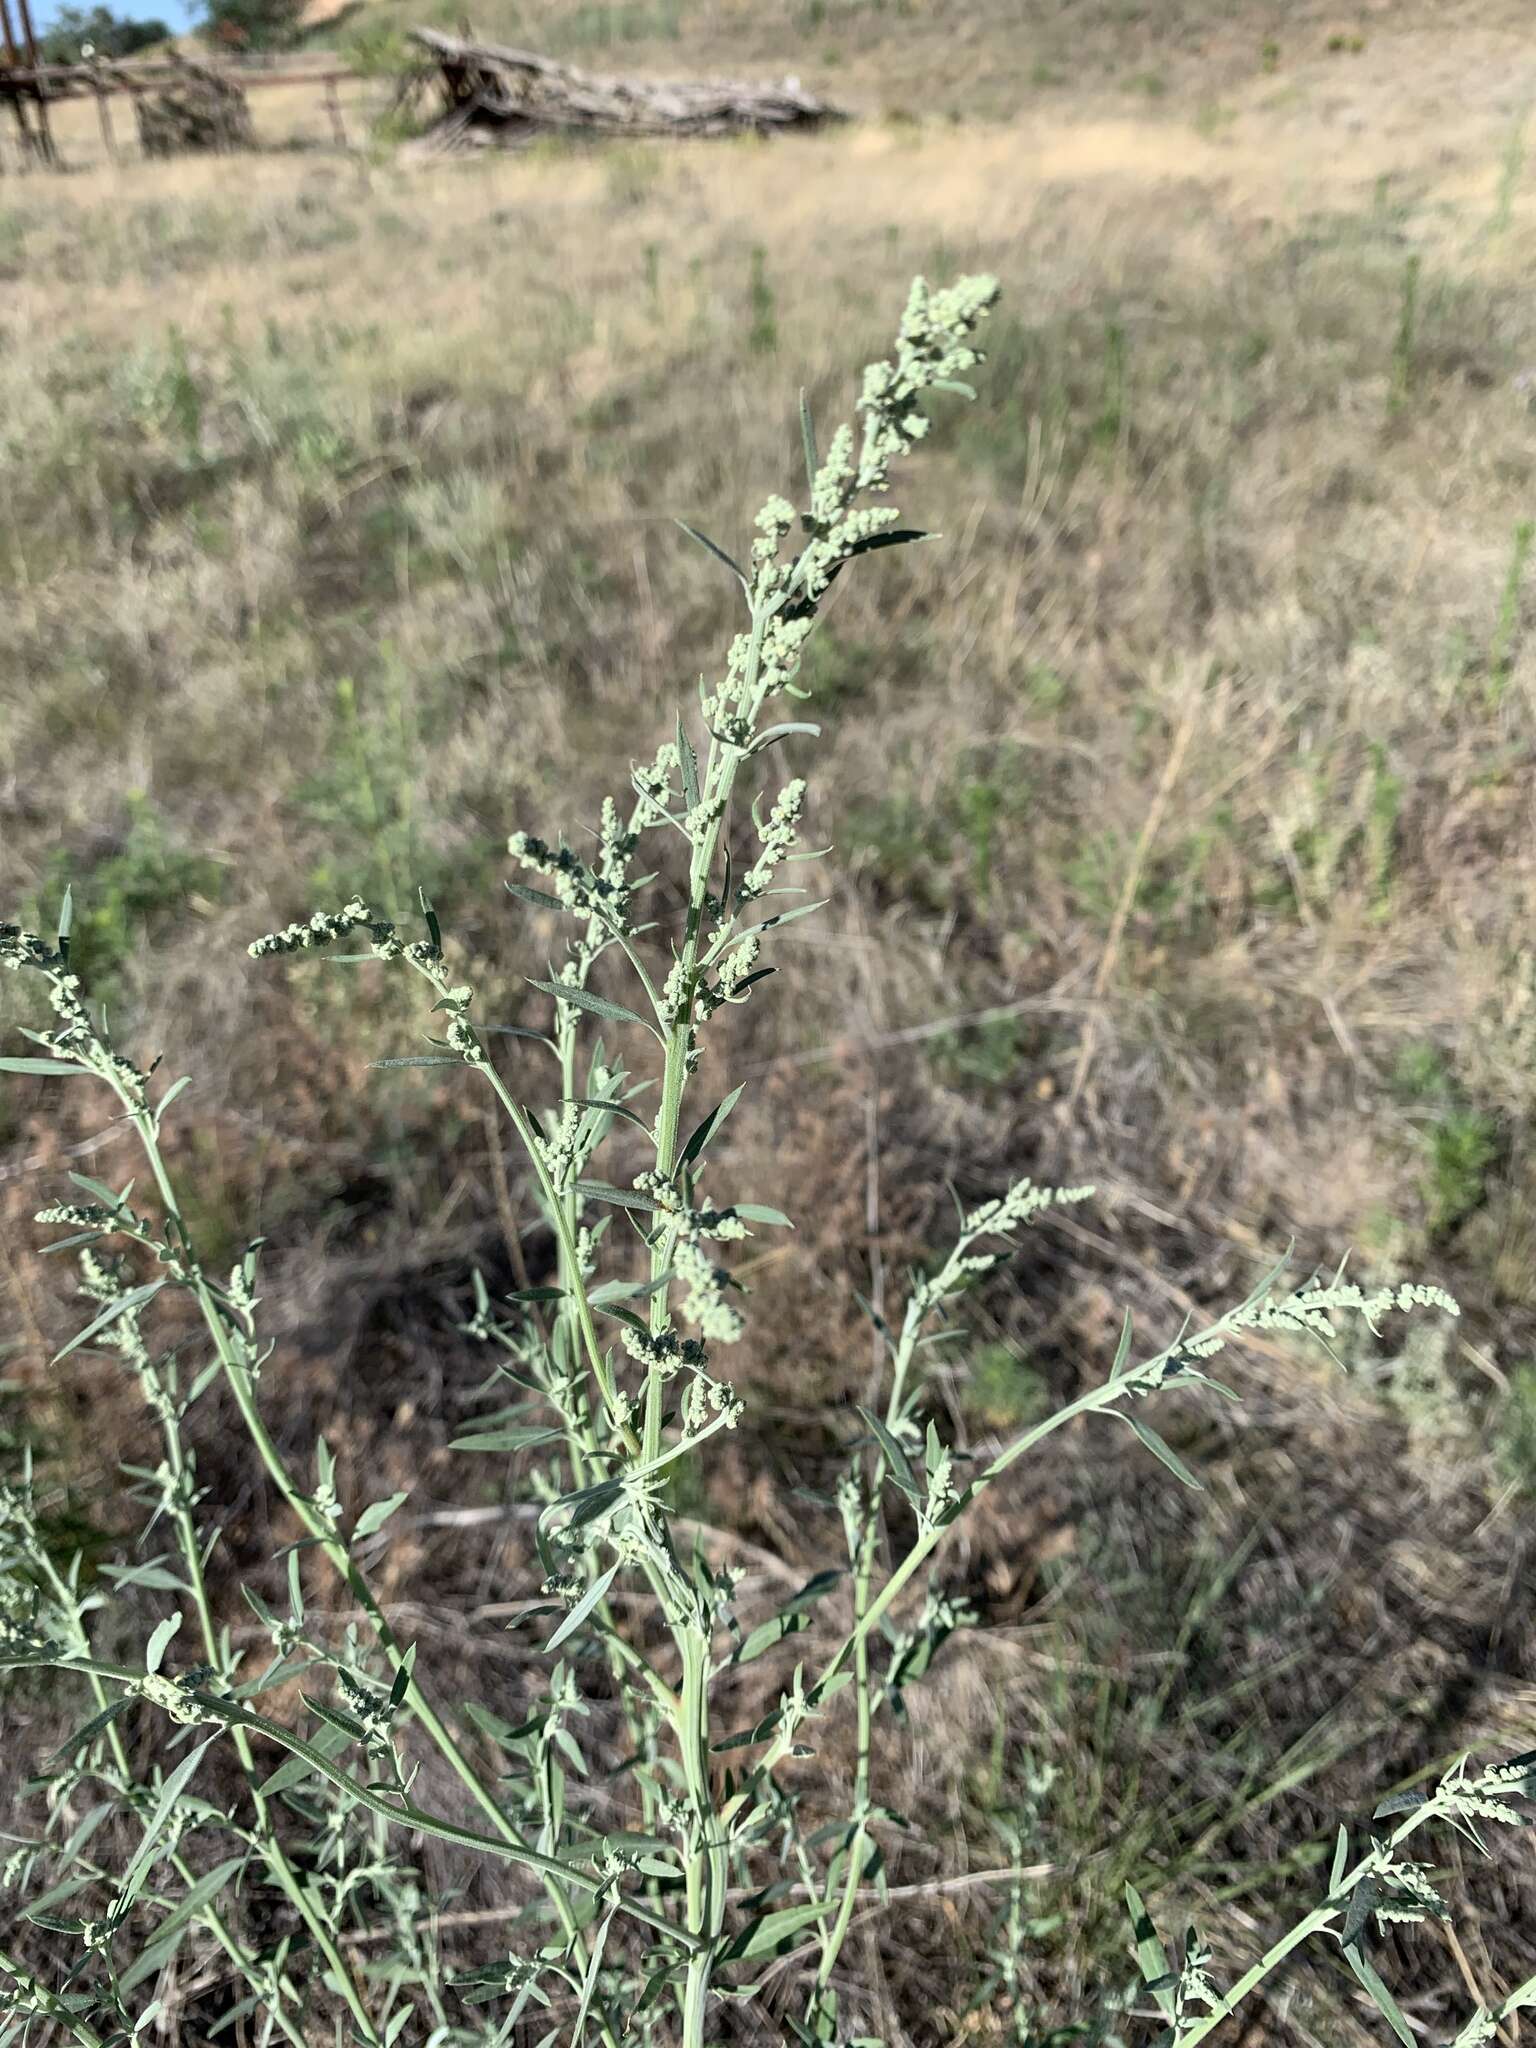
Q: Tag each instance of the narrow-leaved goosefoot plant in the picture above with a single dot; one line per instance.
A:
(694, 1901)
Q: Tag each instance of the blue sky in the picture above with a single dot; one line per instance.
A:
(176, 13)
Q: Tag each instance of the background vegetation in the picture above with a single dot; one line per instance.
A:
(1189, 797)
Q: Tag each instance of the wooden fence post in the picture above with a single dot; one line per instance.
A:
(45, 144)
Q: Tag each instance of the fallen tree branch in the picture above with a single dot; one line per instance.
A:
(502, 97)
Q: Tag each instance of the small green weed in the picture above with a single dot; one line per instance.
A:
(1001, 1390)
(132, 896)
(1506, 631)
(1405, 343)
(762, 307)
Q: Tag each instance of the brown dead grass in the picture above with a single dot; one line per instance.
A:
(442, 420)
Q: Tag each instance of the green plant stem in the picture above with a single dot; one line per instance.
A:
(270, 1849)
(864, 1567)
(928, 1541)
(1313, 1923)
(832, 1944)
(55, 2008)
(235, 1714)
(318, 1527)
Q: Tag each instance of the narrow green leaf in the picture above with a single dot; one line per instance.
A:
(1358, 1912)
(1123, 1348)
(791, 1618)
(589, 1979)
(1399, 1802)
(775, 733)
(808, 442)
(611, 1108)
(66, 921)
(519, 1031)
(159, 1642)
(372, 1519)
(754, 1212)
(1340, 1860)
(94, 1727)
(583, 1608)
(1159, 1449)
(171, 1929)
(421, 1059)
(769, 924)
(895, 1457)
(719, 553)
(539, 898)
(760, 1937)
(402, 1679)
(335, 1718)
(627, 1290)
(434, 929)
(708, 1127)
(15, 1063)
(144, 1859)
(689, 764)
(135, 1298)
(1150, 1954)
(511, 1439)
(43, 1910)
(1386, 2004)
(626, 1198)
(584, 999)
(154, 1576)
(896, 537)
(176, 1088)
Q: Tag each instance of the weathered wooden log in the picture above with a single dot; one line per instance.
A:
(501, 97)
(200, 109)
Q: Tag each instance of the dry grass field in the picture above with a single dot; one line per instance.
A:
(1183, 800)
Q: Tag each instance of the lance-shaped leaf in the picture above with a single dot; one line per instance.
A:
(513, 1438)
(1150, 1954)
(144, 1858)
(1358, 1911)
(708, 1127)
(763, 1935)
(94, 1727)
(1160, 1450)
(895, 1457)
(372, 1519)
(688, 764)
(539, 898)
(154, 1654)
(583, 1607)
(719, 553)
(1385, 2003)
(172, 1928)
(626, 1198)
(136, 1297)
(584, 999)
(791, 1618)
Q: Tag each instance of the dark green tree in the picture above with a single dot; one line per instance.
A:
(98, 31)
